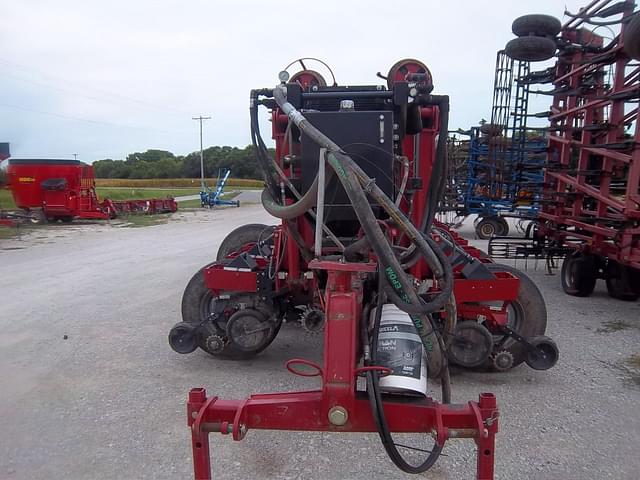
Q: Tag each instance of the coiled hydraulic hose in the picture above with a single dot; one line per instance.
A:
(351, 176)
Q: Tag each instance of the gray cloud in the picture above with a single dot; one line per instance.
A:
(103, 79)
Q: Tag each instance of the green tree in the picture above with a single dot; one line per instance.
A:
(163, 164)
(149, 156)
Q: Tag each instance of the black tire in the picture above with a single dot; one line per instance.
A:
(579, 274)
(491, 129)
(487, 228)
(36, 216)
(632, 38)
(196, 307)
(623, 282)
(531, 49)
(527, 313)
(503, 227)
(545, 355)
(239, 237)
(66, 219)
(539, 25)
(471, 344)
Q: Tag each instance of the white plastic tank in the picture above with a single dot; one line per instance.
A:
(400, 349)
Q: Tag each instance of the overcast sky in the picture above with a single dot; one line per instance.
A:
(106, 78)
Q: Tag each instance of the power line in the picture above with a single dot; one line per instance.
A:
(200, 119)
(141, 103)
(79, 119)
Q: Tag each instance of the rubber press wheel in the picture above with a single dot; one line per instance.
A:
(531, 49)
(240, 236)
(623, 282)
(579, 274)
(526, 315)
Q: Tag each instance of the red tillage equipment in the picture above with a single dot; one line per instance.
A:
(65, 189)
(591, 199)
(593, 172)
(357, 175)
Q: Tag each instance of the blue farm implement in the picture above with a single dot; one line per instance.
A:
(213, 197)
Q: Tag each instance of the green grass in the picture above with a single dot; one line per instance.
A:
(6, 200)
(138, 193)
(189, 204)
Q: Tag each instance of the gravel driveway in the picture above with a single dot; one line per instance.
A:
(107, 402)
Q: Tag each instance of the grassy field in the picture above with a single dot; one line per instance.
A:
(174, 182)
(6, 200)
(129, 193)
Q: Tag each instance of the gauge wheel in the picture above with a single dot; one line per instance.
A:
(526, 315)
(544, 353)
(471, 344)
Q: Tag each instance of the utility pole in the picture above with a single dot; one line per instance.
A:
(200, 119)
(75, 156)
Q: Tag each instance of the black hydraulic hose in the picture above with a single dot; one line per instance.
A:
(270, 194)
(342, 165)
(377, 405)
(396, 277)
(271, 177)
(342, 162)
(355, 248)
(438, 179)
(287, 212)
(429, 249)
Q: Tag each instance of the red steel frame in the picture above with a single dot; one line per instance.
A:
(312, 410)
(580, 212)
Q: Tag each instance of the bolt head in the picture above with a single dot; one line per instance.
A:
(338, 415)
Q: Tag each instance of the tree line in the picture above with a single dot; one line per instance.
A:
(164, 164)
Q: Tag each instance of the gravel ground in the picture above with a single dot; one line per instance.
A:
(108, 401)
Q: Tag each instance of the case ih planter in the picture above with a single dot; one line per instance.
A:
(356, 179)
(50, 190)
